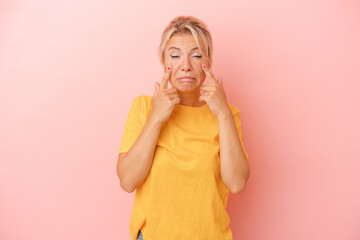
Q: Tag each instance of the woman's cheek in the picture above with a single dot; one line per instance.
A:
(202, 74)
(169, 62)
(172, 76)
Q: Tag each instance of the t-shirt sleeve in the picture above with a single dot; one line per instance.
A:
(236, 114)
(133, 126)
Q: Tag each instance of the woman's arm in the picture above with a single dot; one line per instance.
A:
(234, 167)
(133, 166)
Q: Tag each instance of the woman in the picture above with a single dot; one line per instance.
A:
(182, 148)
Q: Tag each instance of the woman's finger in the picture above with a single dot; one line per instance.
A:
(211, 88)
(172, 96)
(203, 98)
(165, 78)
(206, 93)
(210, 75)
(156, 88)
(170, 90)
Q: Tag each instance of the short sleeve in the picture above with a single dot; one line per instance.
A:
(236, 114)
(133, 126)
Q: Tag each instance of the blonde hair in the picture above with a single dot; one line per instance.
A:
(191, 25)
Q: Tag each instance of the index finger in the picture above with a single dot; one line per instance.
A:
(165, 78)
(210, 75)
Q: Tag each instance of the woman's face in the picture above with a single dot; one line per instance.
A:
(185, 59)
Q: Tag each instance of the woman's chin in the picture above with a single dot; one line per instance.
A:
(187, 87)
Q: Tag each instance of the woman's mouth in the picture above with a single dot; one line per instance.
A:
(186, 79)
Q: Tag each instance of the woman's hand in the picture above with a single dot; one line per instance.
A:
(214, 95)
(164, 99)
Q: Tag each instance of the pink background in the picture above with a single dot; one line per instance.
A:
(69, 71)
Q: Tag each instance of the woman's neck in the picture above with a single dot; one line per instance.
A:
(190, 99)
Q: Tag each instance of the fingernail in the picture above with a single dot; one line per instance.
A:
(169, 67)
(203, 65)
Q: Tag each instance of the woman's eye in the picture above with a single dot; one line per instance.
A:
(199, 56)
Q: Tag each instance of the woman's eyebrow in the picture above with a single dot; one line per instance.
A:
(180, 49)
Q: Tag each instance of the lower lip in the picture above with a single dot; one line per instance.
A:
(187, 80)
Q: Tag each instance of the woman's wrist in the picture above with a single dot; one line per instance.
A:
(154, 121)
(225, 114)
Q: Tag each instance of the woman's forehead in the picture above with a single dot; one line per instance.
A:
(182, 42)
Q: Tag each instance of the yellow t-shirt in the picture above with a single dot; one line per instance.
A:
(183, 196)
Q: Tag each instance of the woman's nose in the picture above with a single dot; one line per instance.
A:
(186, 66)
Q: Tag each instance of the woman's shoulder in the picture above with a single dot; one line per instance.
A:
(142, 102)
(143, 99)
(233, 108)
